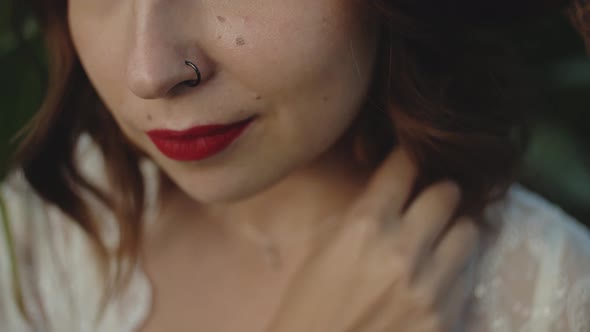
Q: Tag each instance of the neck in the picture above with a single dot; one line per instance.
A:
(290, 210)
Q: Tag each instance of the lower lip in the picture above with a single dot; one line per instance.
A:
(193, 148)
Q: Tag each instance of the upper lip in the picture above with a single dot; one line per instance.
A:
(195, 131)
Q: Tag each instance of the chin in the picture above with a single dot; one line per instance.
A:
(225, 192)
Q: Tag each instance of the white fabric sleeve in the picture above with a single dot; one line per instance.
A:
(13, 247)
(535, 274)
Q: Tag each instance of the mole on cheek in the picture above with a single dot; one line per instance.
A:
(149, 117)
(258, 97)
(221, 19)
(240, 41)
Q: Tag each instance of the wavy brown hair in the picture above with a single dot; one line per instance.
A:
(440, 89)
(579, 13)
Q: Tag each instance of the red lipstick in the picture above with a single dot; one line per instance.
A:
(198, 142)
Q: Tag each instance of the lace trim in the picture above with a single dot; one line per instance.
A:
(547, 282)
(531, 298)
(578, 306)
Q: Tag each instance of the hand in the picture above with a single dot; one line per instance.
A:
(385, 267)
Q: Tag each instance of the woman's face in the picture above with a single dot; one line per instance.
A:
(302, 66)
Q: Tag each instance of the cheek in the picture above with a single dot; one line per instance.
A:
(320, 65)
(300, 48)
(298, 52)
(100, 47)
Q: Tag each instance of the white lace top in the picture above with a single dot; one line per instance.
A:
(533, 274)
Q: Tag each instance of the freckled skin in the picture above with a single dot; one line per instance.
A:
(286, 169)
(297, 52)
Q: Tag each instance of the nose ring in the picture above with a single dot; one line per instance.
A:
(193, 83)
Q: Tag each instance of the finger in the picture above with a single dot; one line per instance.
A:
(390, 186)
(425, 220)
(454, 303)
(378, 317)
(453, 254)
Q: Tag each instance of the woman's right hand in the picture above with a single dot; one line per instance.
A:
(383, 268)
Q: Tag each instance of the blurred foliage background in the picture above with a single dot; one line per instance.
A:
(557, 164)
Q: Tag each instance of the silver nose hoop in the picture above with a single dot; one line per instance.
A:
(193, 83)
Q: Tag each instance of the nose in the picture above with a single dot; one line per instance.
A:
(157, 62)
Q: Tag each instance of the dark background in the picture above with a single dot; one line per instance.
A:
(557, 163)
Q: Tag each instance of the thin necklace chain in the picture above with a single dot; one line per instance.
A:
(271, 252)
(269, 247)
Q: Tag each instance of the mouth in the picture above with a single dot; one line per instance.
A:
(199, 142)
